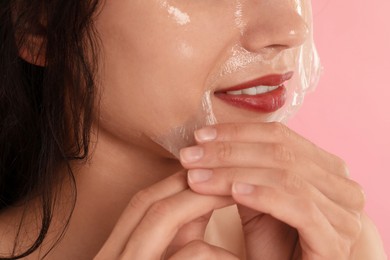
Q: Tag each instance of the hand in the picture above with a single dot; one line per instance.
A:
(277, 176)
(165, 221)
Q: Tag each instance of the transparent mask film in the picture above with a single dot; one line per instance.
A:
(304, 61)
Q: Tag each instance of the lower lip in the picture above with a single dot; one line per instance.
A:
(262, 103)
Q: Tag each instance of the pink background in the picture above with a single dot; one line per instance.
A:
(348, 114)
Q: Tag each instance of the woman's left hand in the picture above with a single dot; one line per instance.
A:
(277, 177)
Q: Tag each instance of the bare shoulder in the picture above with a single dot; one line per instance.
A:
(369, 245)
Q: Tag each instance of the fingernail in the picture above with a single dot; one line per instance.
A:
(199, 175)
(191, 154)
(243, 188)
(206, 134)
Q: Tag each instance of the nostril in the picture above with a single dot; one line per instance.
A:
(269, 52)
(289, 30)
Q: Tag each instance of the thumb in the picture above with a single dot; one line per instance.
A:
(194, 230)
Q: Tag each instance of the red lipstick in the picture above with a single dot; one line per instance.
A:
(267, 102)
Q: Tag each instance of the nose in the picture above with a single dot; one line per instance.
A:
(273, 25)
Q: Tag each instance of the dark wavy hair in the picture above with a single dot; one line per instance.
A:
(45, 112)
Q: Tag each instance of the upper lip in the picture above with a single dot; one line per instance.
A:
(268, 80)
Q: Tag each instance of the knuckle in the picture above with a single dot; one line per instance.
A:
(280, 131)
(236, 130)
(225, 151)
(141, 199)
(282, 153)
(357, 196)
(356, 228)
(341, 167)
(353, 195)
(291, 182)
(159, 210)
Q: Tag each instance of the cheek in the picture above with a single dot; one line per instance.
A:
(156, 69)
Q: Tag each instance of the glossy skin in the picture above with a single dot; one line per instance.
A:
(158, 60)
(162, 64)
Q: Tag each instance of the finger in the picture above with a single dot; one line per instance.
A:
(164, 218)
(274, 156)
(230, 154)
(333, 168)
(263, 227)
(195, 230)
(136, 209)
(199, 250)
(221, 181)
(316, 232)
(273, 132)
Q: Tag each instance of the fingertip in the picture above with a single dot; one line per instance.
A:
(240, 188)
(206, 134)
(195, 176)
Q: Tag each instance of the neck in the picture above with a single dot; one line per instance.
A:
(118, 166)
(105, 185)
(106, 182)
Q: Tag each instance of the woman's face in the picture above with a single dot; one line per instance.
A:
(167, 65)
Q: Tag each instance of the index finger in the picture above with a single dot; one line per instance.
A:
(324, 170)
(136, 209)
(164, 218)
(273, 132)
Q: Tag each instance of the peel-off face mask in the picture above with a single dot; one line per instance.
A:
(302, 60)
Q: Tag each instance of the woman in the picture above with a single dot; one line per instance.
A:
(127, 125)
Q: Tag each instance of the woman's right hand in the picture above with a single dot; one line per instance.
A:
(165, 221)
